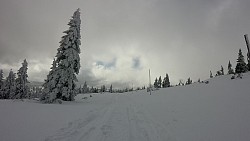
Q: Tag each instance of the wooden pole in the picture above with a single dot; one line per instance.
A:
(247, 43)
(149, 83)
(132, 88)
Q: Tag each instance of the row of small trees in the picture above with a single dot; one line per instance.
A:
(103, 88)
(241, 66)
(159, 83)
(15, 87)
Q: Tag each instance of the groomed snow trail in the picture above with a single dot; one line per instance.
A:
(123, 119)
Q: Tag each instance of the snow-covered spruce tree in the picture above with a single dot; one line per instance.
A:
(50, 92)
(1, 84)
(103, 88)
(211, 75)
(189, 81)
(21, 82)
(167, 81)
(241, 65)
(80, 89)
(67, 64)
(85, 88)
(164, 82)
(230, 70)
(111, 89)
(248, 62)
(92, 89)
(156, 83)
(222, 70)
(10, 86)
(159, 82)
(1, 78)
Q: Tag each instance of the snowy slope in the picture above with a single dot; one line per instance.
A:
(218, 111)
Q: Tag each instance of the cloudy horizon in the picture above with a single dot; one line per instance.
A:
(122, 40)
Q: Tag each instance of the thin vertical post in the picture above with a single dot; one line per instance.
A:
(132, 88)
(248, 52)
(247, 43)
(149, 83)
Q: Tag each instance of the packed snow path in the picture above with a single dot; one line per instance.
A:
(122, 119)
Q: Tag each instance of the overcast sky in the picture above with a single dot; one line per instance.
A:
(123, 39)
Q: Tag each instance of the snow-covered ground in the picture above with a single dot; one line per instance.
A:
(218, 111)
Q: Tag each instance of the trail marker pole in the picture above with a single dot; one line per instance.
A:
(149, 83)
(248, 52)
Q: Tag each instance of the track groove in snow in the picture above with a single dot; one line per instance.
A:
(80, 129)
(122, 120)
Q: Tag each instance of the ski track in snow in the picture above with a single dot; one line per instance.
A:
(121, 120)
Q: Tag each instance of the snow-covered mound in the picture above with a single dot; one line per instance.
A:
(217, 111)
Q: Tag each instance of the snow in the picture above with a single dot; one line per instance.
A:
(217, 111)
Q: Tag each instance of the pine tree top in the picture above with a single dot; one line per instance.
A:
(229, 64)
(11, 76)
(1, 75)
(22, 73)
(69, 50)
(240, 57)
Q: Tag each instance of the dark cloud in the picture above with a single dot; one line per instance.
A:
(136, 63)
(107, 65)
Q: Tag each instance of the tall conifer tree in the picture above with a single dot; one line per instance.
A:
(156, 83)
(50, 91)
(1, 84)
(211, 75)
(159, 82)
(222, 70)
(67, 63)
(230, 70)
(21, 82)
(111, 89)
(241, 65)
(166, 82)
(10, 86)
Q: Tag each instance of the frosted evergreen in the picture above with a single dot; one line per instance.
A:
(50, 90)
(222, 70)
(166, 82)
(189, 81)
(111, 89)
(10, 86)
(103, 88)
(230, 70)
(156, 83)
(159, 82)
(60, 83)
(85, 88)
(1, 78)
(241, 65)
(1, 84)
(211, 75)
(21, 82)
